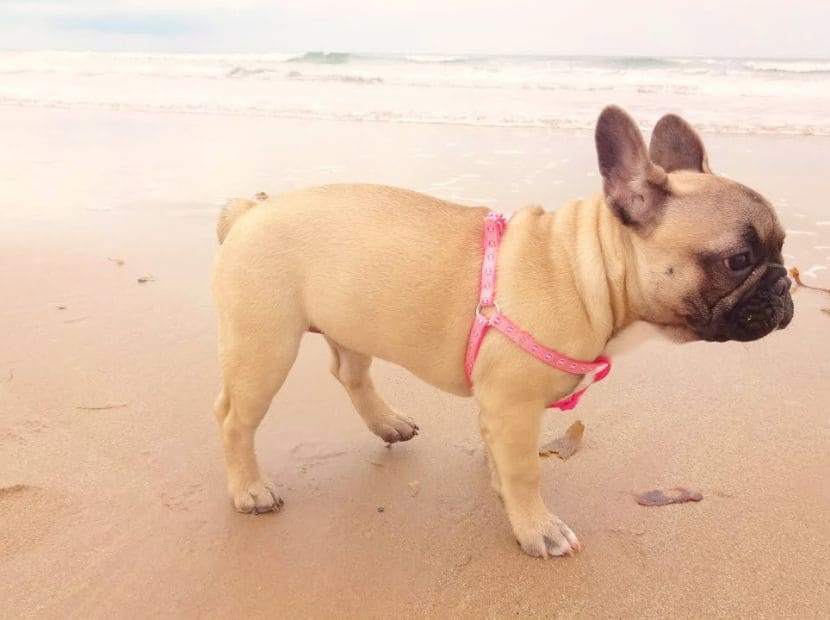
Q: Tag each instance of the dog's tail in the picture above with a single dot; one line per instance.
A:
(233, 210)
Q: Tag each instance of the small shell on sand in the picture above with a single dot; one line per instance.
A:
(677, 495)
(565, 446)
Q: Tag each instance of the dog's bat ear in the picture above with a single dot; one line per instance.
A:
(635, 188)
(675, 145)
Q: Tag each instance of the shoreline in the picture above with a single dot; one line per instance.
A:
(559, 129)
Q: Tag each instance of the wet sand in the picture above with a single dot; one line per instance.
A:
(122, 511)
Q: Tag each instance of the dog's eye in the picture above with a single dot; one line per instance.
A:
(739, 262)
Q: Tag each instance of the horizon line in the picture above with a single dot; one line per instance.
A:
(423, 53)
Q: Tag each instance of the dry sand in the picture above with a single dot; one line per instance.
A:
(123, 511)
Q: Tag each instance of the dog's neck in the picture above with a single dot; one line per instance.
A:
(617, 250)
(580, 260)
(608, 286)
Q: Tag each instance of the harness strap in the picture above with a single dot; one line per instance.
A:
(494, 226)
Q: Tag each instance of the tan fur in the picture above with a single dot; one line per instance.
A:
(391, 273)
(394, 274)
(232, 211)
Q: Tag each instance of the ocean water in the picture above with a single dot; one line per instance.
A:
(717, 95)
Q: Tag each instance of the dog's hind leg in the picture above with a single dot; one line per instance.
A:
(254, 367)
(352, 370)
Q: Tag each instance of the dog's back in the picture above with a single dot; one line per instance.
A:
(324, 256)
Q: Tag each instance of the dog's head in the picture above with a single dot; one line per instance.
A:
(706, 251)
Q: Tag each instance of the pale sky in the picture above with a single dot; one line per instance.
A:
(766, 28)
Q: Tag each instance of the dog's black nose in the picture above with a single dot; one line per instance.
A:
(781, 286)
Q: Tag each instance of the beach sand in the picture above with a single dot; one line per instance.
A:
(123, 510)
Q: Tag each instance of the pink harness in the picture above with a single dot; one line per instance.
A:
(494, 226)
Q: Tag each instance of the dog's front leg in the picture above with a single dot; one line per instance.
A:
(511, 432)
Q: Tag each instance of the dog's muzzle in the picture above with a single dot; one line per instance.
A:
(764, 308)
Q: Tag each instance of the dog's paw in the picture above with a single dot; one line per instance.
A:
(394, 427)
(256, 498)
(552, 538)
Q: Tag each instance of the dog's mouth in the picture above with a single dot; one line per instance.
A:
(761, 305)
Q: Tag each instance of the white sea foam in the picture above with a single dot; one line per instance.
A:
(789, 66)
(436, 58)
(723, 95)
(811, 272)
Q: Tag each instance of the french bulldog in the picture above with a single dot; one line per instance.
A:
(391, 273)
